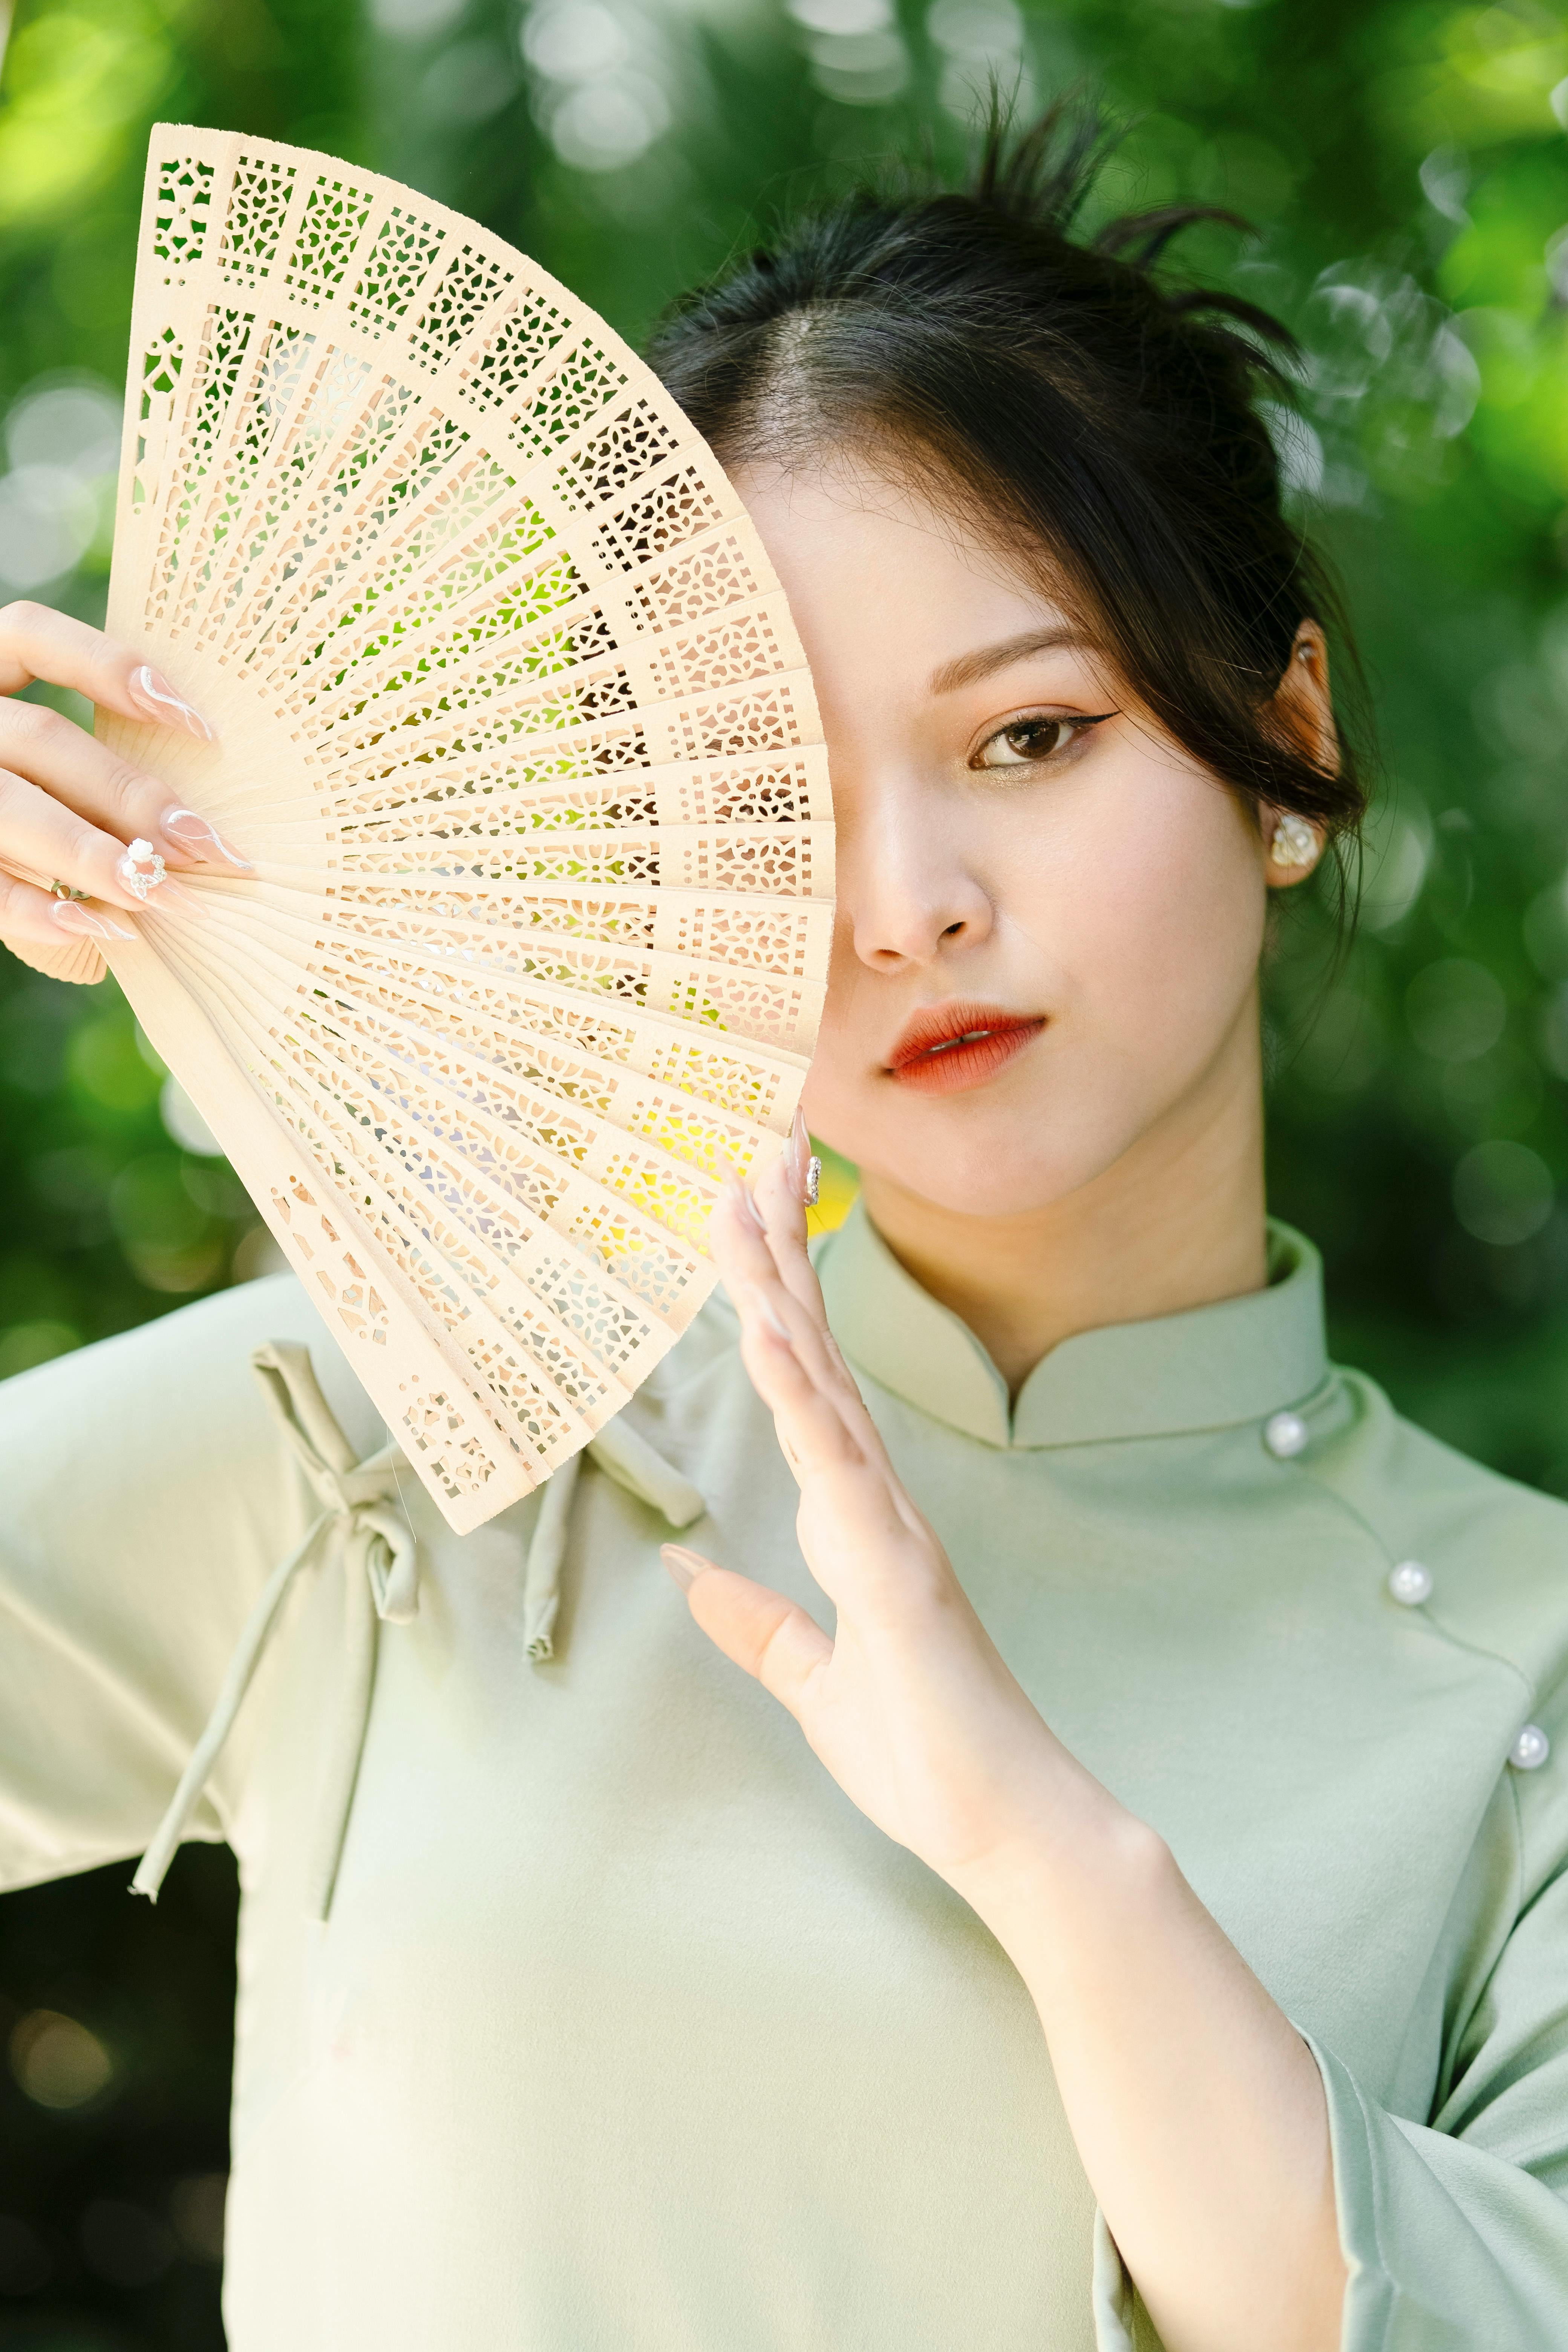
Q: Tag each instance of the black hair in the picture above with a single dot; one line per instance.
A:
(1103, 417)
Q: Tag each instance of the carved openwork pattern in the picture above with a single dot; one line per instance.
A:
(335, 214)
(517, 733)
(181, 214)
(253, 223)
(463, 297)
(396, 268)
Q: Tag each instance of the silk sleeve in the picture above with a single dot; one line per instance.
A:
(144, 1499)
(1455, 2229)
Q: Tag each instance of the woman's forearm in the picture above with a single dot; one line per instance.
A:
(1195, 2104)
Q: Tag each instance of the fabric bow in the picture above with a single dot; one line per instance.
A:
(361, 1520)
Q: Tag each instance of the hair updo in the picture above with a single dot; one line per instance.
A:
(1076, 405)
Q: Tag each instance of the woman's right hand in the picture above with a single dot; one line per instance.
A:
(70, 808)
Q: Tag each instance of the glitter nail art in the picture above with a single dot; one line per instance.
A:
(141, 869)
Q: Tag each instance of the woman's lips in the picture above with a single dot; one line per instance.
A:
(950, 1048)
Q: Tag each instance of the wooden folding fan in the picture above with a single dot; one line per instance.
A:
(517, 735)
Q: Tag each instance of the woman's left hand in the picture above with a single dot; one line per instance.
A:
(909, 1705)
(1197, 2109)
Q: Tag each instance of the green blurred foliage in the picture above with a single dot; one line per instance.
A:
(1408, 173)
(1406, 167)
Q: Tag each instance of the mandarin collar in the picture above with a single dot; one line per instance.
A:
(1212, 1367)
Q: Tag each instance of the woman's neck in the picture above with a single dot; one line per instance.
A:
(1177, 1222)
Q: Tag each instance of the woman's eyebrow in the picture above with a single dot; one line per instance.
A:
(967, 668)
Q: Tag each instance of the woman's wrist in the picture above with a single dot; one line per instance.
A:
(1078, 1866)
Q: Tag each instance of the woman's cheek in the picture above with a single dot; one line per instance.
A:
(1135, 921)
(1155, 928)
(1171, 925)
(841, 1083)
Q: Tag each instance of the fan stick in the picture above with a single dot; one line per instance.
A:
(516, 731)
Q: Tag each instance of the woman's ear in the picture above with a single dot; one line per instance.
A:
(1303, 709)
(1304, 712)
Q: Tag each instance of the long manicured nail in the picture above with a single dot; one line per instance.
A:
(173, 899)
(813, 1192)
(740, 1199)
(799, 1153)
(195, 836)
(70, 915)
(157, 699)
(762, 1306)
(683, 1565)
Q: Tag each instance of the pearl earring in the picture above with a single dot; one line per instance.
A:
(1294, 843)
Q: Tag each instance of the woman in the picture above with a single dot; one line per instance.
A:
(1159, 1935)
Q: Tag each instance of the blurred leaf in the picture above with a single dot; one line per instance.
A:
(1406, 169)
(104, 1061)
(78, 82)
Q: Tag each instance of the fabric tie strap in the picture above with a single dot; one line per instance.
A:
(361, 1520)
(633, 1463)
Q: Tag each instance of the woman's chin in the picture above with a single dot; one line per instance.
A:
(991, 1176)
(991, 1202)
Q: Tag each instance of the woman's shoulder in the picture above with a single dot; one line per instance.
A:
(175, 1392)
(1495, 1550)
(176, 1401)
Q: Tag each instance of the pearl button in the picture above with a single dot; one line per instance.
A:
(1531, 1749)
(1411, 1583)
(1284, 1434)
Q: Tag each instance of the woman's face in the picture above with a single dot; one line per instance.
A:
(1023, 861)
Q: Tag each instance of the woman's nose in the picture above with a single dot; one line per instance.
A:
(905, 885)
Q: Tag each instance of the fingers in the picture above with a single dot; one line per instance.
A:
(828, 1438)
(744, 1250)
(37, 643)
(110, 794)
(775, 1641)
(814, 1427)
(47, 838)
(776, 1211)
(738, 1237)
(30, 916)
(107, 791)
(780, 1197)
